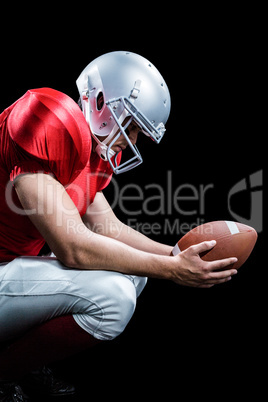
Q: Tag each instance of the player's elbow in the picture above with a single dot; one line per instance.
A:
(62, 249)
(66, 258)
(75, 250)
(68, 255)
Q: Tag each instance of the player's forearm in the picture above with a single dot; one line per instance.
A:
(103, 253)
(141, 242)
(101, 219)
(135, 239)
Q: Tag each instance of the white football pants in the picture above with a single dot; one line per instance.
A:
(37, 289)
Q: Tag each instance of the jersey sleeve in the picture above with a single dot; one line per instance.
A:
(48, 133)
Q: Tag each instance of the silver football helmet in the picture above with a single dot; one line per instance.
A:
(117, 85)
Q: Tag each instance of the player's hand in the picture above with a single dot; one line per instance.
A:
(191, 270)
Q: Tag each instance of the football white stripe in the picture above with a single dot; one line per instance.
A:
(232, 227)
(176, 250)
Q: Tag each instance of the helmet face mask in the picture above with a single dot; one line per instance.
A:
(156, 133)
(120, 85)
(134, 160)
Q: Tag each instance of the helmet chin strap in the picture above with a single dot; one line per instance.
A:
(102, 148)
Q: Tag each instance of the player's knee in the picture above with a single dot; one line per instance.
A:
(139, 282)
(115, 309)
(124, 303)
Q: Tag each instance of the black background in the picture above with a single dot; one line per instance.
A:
(204, 342)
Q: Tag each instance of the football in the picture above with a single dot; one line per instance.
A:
(233, 239)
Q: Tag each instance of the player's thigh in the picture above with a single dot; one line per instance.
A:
(36, 289)
(33, 290)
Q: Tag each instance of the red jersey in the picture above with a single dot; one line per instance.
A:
(44, 131)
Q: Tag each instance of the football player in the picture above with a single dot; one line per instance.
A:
(56, 157)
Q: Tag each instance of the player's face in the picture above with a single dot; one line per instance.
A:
(132, 131)
(121, 143)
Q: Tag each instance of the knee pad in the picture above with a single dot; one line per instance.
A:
(114, 307)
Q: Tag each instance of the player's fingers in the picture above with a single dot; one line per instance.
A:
(216, 278)
(221, 264)
(201, 247)
(222, 275)
(213, 282)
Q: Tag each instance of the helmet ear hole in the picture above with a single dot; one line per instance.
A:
(100, 101)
